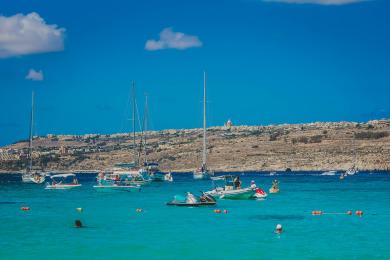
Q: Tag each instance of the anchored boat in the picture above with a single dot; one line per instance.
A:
(231, 188)
(63, 182)
(31, 176)
(203, 173)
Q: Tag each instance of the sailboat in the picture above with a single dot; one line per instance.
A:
(352, 170)
(125, 176)
(30, 176)
(152, 168)
(203, 173)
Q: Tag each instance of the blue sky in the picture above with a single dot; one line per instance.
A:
(267, 62)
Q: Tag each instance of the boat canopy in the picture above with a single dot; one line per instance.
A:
(223, 178)
(63, 175)
(150, 164)
(125, 165)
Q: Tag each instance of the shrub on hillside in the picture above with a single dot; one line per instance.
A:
(371, 135)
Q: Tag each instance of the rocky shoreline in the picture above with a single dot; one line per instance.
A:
(299, 147)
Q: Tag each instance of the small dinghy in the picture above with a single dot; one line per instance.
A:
(193, 201)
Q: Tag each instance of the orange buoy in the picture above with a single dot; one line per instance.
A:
(359, 213)
(217, 210)
(25, 208)
(316, 212)
(225, 211)
(348, 212)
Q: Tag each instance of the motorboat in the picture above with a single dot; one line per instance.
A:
(117, 180)
(329, 173)
(33, 177)
(155, 174)
(114, 186)
(351, 171)
(63, 182)
(231, 189)
(122, 177)
(168, 177)
(192, 201)
(272, 173)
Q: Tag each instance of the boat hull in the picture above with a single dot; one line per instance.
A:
(108, 188)
(32, 179)
(184, 204)
(62, 186)
(202, 175)
(241, 194)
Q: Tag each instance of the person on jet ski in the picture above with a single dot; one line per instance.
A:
(190, 199)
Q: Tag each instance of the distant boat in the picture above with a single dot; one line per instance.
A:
(119, 179)
(63, 182)
(152, 168)
(329, 173)
(127, 175)
(202, 173)
(31, 176)
(352, 171)
(272, 173)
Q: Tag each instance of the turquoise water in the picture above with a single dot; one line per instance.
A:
(115, 230)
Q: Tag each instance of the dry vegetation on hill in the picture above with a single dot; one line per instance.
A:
(316, 146)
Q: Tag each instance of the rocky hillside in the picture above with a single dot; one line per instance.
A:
(314, 146)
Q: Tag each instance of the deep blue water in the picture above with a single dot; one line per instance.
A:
(115, 230)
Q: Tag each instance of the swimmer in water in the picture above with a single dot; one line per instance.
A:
(78, 224)
(278, 229)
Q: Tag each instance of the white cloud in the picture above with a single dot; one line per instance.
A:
(27, 34)
(320, 2)
(35, 75)
(173, 40)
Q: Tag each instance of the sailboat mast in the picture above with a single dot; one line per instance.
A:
(204, 120)
(31, 133)
(146, 112)
(133, 119)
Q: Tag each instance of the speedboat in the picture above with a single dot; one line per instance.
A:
(351, 171)
(35, 177)
(329, 173)
(155, 174)
(115, 182)
(63, 182)
(168, 177)
(230, 190)
(193, 201)
(121, 178)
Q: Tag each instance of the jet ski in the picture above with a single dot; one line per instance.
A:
(260, 194)
(192, 201)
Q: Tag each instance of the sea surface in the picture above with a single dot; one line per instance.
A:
(115, 230)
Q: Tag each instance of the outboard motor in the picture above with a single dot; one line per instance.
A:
(207, 198)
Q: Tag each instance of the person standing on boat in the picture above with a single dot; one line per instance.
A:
(190, 198)
(237, 182)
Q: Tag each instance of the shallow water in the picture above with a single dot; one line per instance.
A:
(115, 230)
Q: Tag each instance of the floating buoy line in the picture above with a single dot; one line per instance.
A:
(349, 212)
